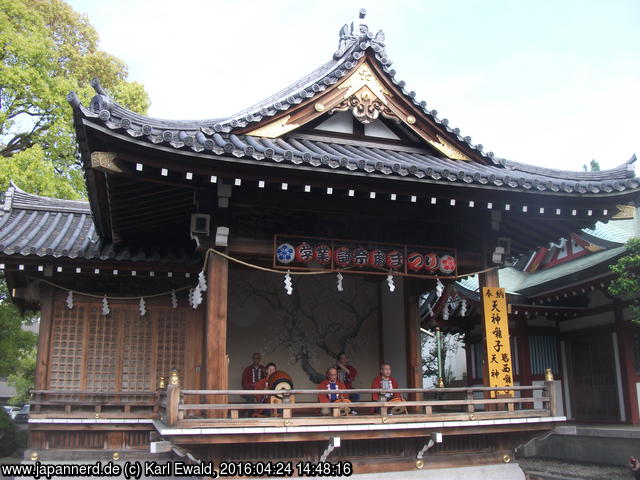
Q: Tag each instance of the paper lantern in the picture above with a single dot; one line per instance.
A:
(322, 254)
(431, 262)
(285, 253)
(394, 259)
(342, 257)
(377, 259)
(304, 253)
(447, 264)
(415, 261)
(359, 257)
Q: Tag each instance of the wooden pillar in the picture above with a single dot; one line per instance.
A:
(216, 332)
(44, 337)
(630, 394)
(524, 357)
(412, 337)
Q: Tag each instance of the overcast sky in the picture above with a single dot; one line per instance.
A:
(548, 82)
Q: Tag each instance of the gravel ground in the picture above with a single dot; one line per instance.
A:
(549, 469)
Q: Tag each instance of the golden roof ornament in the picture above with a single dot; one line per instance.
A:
(163, 383)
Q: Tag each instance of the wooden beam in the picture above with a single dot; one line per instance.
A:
(44, 337)
(412, 336)
(216, 331)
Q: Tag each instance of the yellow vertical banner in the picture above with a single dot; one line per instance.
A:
(496, 327)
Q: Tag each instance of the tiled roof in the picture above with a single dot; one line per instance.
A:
(32, 225)
(219, 137)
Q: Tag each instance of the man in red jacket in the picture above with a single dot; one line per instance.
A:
(328, 384)
(347, 374)
(253, 372)
(386, 381)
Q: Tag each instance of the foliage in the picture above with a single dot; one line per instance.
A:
(627, 283)
(7, 434)
(594, 166)
(15, 343)
(48, 50)
(24, 377)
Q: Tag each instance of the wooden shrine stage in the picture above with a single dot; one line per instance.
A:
(466, 425)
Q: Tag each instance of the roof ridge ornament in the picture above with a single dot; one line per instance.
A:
(358, 30)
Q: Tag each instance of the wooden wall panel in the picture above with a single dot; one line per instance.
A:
(171, 341)
(122, 351)
(101, 350)
(67, 347)
(137, 350)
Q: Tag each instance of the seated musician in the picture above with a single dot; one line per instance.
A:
(331, 383)
(347, 374)
(385, 381)
(252, 374)
(263, 384)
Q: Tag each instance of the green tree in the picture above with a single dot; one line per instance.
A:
(15, 343)
(46, 51)
(627, 282)
(23, 377)
(594, 166)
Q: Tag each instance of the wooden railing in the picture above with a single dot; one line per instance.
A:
(79, 402)
(442, 404)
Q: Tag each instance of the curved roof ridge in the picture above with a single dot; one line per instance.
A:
(31, 201)
(623, 171)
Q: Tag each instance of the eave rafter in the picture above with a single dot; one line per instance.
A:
(368, 94)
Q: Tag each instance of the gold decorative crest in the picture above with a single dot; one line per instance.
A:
(625, 212)
(275, 128)
(447, 149)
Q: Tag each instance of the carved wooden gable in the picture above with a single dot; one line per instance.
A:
(369, 96)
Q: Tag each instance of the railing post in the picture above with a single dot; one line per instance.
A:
(173, 400)
(470, 405)
(550, 391)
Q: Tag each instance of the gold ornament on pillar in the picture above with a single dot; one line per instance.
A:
(548, 375)
(162, 384)
(173, 378)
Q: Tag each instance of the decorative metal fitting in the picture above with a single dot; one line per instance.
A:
(163, 383)
(548, 375)
(115, 456)
(419, 464)
(34, 456)
(173, 378)
(506, 458)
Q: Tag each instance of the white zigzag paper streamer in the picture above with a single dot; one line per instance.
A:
(142, 306)
(174, 299)
(392, 286)
(439, 288)
(70, 300)
(202, 282)
(288, 286)
(340, 277)
(105, 306)
(463, 308)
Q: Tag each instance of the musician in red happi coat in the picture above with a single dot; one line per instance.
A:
(386, 381)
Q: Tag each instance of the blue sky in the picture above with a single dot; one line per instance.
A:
(551, 83)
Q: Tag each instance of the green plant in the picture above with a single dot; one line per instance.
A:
(627, 282)
(7, 435)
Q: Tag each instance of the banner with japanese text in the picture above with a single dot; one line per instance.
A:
(496, 324)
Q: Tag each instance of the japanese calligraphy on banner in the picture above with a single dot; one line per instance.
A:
(496, 325)
(313, 253)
